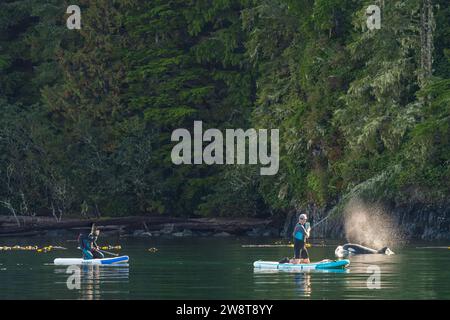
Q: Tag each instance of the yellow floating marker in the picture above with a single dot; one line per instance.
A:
(308, 245)
(111, 247)
(31, 248)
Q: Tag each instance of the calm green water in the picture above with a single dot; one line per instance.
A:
(220, 268)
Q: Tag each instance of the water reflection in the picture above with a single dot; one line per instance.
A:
(210, 268)
(100, 281)
(302, 282)
(367, 265)
(357, 281)
(272, 271)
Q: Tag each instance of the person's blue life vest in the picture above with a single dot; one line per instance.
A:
(299, 235)
(84, 242)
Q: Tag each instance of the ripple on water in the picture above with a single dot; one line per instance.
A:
(213, 269)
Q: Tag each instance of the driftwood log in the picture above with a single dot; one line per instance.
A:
(36, 225)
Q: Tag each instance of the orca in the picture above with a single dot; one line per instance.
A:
(353, 249)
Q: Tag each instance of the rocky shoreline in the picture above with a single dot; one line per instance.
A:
(416, 221)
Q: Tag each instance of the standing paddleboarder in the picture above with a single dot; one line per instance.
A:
(300, 234)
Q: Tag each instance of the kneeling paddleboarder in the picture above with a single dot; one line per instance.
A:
(301, 233)
(88, 245)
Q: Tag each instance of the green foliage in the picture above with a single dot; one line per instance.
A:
(87, 115)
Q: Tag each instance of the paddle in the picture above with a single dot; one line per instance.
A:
(307, 226)
(320, 221)
(113, 254)
(308, 245)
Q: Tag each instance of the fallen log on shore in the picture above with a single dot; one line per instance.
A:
(150, 223)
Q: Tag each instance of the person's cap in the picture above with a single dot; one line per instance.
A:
(302, 216)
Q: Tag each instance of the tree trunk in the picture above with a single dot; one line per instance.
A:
(427, 26)
(9, 206)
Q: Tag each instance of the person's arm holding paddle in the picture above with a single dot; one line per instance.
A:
(307, 229)
(95, 248)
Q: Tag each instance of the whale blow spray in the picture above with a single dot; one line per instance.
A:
(370, 225)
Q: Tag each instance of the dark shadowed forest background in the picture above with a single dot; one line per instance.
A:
(87, 115)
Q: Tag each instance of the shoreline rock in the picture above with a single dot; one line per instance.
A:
(417, 221)
(427, 222)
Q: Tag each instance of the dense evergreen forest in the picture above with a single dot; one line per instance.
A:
(87, 115)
